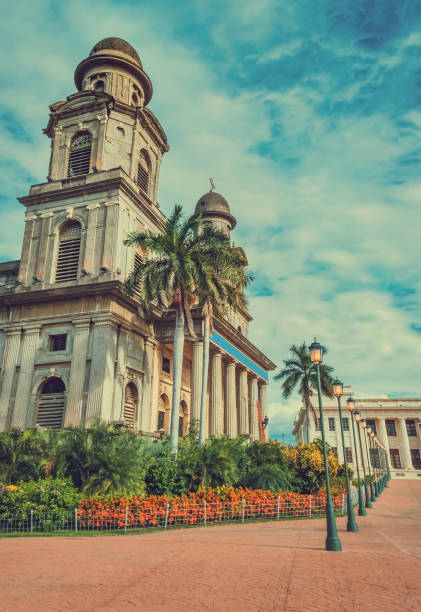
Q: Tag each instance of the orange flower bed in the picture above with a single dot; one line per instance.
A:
(207, 506)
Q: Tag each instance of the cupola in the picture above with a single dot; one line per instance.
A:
(215, 211)
(113, 66)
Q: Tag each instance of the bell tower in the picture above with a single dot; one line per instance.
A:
(106, 152)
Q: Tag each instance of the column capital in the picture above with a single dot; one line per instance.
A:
(228, 360)
(32, 329)
(14, 331)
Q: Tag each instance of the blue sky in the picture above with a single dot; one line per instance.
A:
(307, 114)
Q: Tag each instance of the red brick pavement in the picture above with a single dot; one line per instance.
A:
(261, 566)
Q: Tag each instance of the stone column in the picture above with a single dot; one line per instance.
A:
(254, 419)
(30, 345)
(196, 379)
(244, 426)
(384, 439)
(43, 246)
(216, 425)
(101, 382)
(261, 394)
(77, 376)
(10, 359)
(120, 376)
(404, 445)
(230, 400)
(145, 408)
(111, 222)
(91, 235)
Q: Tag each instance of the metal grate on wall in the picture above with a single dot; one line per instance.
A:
(143, 178)
(80, 155)
(68, 254)
(130, 405)
(51, 410)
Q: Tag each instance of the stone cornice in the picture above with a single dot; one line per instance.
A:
(84, 185)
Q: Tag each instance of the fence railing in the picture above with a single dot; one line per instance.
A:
(175, 514)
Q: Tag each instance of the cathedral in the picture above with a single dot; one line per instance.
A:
(73, 345)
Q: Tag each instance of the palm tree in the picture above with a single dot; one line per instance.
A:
(102, 459)
(220, 288)
(21, 455)
(175, 262)
(299, 373)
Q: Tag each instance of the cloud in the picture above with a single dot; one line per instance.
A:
(309, 121)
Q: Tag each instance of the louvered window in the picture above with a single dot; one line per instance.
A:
(50, 411)
(68, 253)
(130, 405)
(138, 260)
(80, 155)
(143, 178)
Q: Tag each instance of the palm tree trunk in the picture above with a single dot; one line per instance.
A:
(308, 425)
(202, 430)
(177, 371)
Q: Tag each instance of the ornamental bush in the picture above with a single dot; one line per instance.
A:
(46, 498)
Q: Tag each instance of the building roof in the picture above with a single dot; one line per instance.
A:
(214, 204)
(122, 47)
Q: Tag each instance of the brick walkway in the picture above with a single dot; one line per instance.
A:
(262, 566)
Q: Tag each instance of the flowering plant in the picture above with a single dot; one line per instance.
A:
(207, 505)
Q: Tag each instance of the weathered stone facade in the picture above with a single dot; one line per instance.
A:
(73, 347)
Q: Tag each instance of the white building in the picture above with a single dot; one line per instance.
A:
(396, 423)
(73, 346)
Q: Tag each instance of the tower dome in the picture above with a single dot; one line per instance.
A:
(116, 46)
(116, 65)
(215, 210)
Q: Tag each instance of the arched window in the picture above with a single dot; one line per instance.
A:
(143, 171)
(182, 420)
(50, 410)
(80, 154)
(131, 399)
(99, 86)
(68, 252)
(163, 413)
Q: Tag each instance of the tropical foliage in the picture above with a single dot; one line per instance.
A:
(103, 460)
(188, 263)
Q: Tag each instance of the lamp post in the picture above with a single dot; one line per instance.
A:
(357, 417)
(332, 541)
(361, 510)
(364, 426)
(338, 390)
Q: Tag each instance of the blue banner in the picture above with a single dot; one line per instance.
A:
(232, 350)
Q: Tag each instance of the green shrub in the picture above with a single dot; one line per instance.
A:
(51, 500)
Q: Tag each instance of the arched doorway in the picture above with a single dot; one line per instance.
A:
(50, 410)
(131, 400)
(163, 413)
(183, 420)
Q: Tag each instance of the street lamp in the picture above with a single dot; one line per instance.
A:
(338, 390)
(361, 510)
(357, 417)
(332, 541)
(364, 426)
